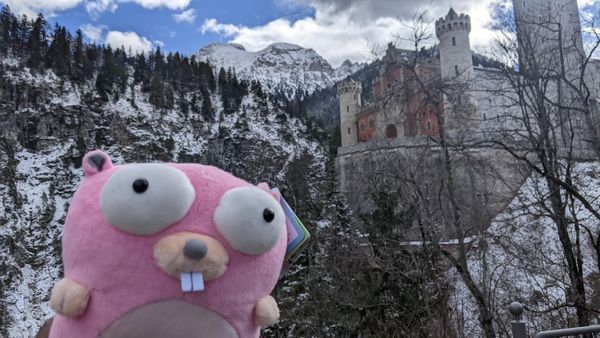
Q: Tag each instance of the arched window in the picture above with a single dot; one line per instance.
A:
(429, 126)
(391, 131)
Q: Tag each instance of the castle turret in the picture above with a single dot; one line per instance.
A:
(551, 47)
(456, 59)
(538, 25)
(349, 97)
(456, 66)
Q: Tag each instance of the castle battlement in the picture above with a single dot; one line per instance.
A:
(452, 22)
(349, 87)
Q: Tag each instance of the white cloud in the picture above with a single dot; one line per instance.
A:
(173, 34)
(46, 7)
(129, 40)
(97, 7)
(188, 16)
(170, 4)
(336, 41)
(93, 7)
(92, 33)
(159, 43)
(212, 25)
(350, 29)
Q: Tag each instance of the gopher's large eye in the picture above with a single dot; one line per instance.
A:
(142, 199)
(250, 220)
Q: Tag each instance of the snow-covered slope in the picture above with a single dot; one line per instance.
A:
(281, 67)
(520, 258)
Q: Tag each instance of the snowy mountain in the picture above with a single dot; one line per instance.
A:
(281, 67)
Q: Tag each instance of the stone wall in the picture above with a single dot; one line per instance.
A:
(485, 179)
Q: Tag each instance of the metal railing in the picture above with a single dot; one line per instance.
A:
(519, 329)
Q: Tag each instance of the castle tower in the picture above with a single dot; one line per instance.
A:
(456, 67)
(551, 46)
(349, 97)
(538, 23)
(456, 59)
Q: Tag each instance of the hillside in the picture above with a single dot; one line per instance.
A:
(520, 258)
(138, 109)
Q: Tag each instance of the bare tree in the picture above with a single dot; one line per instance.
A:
(543, 93)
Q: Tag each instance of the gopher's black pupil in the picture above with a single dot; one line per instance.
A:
(140, 185)
(268, 215)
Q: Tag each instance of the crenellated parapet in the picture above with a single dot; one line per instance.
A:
(452, 22)
(349, 87)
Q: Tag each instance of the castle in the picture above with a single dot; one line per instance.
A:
(419, 96)
(399, 108)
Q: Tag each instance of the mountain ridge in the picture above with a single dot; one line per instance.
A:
(281, 68)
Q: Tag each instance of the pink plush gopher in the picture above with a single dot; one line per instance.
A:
(168, 250)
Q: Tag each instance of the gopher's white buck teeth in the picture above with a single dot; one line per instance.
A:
(192, 281)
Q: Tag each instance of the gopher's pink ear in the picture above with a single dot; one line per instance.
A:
(275, 192)
(95, 162)
(264, 186)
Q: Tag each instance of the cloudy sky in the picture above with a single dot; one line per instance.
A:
(337, 29)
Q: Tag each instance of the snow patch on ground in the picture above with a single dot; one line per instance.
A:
(519, 258)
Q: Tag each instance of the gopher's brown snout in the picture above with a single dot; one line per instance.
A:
(190, 252)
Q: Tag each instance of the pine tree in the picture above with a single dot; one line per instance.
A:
(37, 43)
(141, 71)
(92, 53)
(104, 80)
(77, 71)
(6, 19)
(207, 109)
(58, 56)
(157, 91)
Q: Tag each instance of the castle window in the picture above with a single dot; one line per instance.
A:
(347, 109)
(349, 131)
(453, 41)
(456, 70)
(355, 96)
(428, 125)
(484, 118)
(371, 123)
(391, 131)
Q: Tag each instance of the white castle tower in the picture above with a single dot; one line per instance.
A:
(456, 59)
(538, 23)
(349, 97)
(456, 66)
(551, 46)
